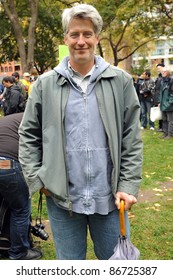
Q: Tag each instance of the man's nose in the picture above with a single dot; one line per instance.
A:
(81, 39)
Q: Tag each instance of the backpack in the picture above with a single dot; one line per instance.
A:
(21, 104)
(4, 227)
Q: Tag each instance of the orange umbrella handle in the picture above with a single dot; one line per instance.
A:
(122, 219)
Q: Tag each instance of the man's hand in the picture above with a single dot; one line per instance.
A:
(45, 191)
(129, 200)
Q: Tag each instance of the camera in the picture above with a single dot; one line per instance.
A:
(38, 230)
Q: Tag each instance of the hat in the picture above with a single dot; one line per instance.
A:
(26, 74)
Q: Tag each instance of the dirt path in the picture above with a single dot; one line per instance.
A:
(157, 193)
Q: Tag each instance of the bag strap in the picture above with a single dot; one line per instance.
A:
(39, 209)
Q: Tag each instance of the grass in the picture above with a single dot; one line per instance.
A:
(151, 225)
(151, 222)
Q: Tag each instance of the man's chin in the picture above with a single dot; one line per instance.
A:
(81, 59)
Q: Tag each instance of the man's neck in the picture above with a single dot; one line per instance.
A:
(82, 69)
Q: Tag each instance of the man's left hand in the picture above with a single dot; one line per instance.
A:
(129, 200)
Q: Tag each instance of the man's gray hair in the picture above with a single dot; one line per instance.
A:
(84, 11)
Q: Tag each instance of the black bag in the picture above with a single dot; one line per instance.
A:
(4, 227)
(22, 103)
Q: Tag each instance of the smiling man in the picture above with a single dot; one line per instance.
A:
(81, 41)
(80, 141)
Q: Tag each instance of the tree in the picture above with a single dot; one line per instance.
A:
(129, 25)
(38, 48)
(49, 35)
(27, 58)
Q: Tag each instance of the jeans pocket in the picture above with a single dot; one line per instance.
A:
(8, 184)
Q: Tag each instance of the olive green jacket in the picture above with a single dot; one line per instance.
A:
(42, 144)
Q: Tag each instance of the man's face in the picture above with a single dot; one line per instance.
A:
(159, 69)
(144, 75)
(7, 84)
(82, 41)
(165, 73)
(16, 79)
(27, 78)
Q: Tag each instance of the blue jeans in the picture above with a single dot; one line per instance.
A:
(167, 123)
(70, 232)
(145, 113)
(15, 191)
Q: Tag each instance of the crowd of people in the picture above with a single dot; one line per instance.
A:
(78, 142)
(14, 92)
(153, 93)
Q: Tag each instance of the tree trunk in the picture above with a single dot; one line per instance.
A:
(31, 33)
(27, 58)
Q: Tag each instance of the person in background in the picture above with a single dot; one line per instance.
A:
(146, 92)
(158, 83)
(137, 87)
(1, 93)
(33, 78)
(14, 190)
(11, 97)
(20, 84)
(26, 82)
(166, 103)
(80, 142)
(1, 88)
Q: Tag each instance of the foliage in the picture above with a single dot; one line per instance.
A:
(22, 40)
(48, 35)
(128, 26)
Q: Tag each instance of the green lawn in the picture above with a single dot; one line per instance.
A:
(151, 222)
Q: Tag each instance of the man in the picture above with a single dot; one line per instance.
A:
(166, 103)
(80, 141)
(20, 84)
(158, 83)
(26, 82)
(12, 97)
(146, 92)
(1, 94)
(14, 190)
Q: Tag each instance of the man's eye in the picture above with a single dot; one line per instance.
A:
(87, 35)
(74, 35)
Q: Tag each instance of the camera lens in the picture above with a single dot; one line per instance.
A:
(38, 231)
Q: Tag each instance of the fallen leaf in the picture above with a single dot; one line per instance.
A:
(157, 204)
(157, 190)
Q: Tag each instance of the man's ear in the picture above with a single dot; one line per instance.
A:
(65, 40)
(98, 39)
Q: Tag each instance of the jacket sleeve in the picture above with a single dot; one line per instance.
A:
(131, 148)
(120, 111)
(171, 92)
(30, 140)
